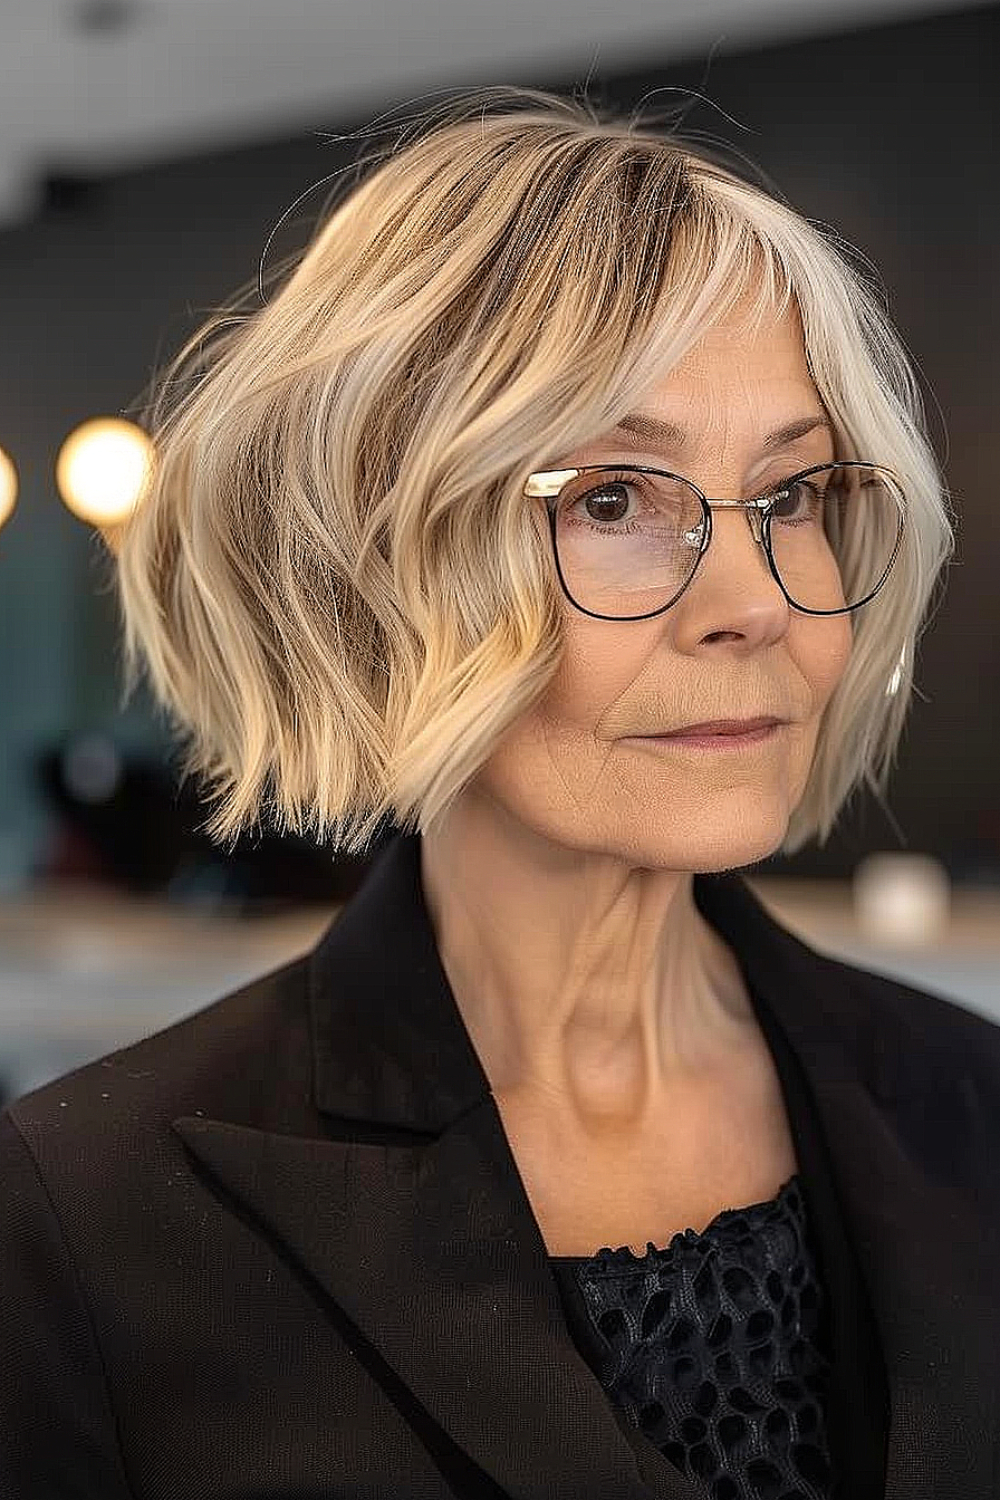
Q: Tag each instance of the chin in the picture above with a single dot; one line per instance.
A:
(710, 847)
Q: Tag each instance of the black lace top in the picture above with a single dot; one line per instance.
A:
(717, 1347)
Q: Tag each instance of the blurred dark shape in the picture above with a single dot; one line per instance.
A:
(124, 822)
(71, 193)
(104, 18)
(976, 860)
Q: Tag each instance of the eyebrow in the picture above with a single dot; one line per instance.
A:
(670, 435)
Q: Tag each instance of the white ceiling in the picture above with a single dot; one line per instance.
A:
(92, 85)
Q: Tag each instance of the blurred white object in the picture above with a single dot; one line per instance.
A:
(902, 898)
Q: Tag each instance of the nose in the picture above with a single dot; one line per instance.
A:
(736, 541)
(733, 591)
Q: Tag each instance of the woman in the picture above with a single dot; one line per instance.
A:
(558, 1168)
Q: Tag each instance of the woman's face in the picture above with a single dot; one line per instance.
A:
(730, 647)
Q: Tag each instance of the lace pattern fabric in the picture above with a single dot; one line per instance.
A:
(716, 1347)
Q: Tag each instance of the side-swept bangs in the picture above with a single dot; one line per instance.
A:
(335, 584)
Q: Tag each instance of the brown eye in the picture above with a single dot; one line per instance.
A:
(797, 502)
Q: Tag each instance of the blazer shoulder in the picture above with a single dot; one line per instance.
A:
(56, 1411)
(937, 1015)
(227, 1053)
(931, 1034)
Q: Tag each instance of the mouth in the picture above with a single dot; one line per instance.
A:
(718, 735)
(723, 726)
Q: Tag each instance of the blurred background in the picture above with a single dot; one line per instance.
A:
(148, 149)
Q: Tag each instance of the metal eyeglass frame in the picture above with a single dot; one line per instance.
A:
(548, 483)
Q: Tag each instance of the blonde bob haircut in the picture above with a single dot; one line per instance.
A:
(339, 591)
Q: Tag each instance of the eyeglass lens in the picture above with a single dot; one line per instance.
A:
(628, 542)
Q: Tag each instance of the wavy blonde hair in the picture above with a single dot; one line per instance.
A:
(337, 588)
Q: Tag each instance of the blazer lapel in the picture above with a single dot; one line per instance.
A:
(430, 1247)
(429, 1252)
(408, 1211)
(901, 1122)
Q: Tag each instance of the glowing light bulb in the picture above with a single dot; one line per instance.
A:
(102, 468)
(8, 486)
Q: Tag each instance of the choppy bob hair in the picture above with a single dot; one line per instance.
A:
(342, 596)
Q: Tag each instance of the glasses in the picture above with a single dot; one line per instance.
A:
(628, 540)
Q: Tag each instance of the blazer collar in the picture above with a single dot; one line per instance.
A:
(423, 1234)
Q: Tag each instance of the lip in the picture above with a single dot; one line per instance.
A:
(716, 727)
(708, 737)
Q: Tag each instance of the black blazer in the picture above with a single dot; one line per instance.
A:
(281, 1250)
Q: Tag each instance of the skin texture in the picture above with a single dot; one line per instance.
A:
(560, 884)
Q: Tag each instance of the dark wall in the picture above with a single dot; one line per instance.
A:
(888, 134)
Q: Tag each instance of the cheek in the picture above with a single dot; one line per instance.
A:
(551, 765)
(597, 669)
(830, 651)
(823, 654)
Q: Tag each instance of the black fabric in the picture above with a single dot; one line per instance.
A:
(281, 1250)
(854, 1399)
(716, 1346)
(857, 1398)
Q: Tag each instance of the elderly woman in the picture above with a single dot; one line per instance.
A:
(569, 508)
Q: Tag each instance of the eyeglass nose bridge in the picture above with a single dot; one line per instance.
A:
(754, 509)
(700, 537)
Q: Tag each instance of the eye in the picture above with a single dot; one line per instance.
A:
(612, 490)
(795, 501)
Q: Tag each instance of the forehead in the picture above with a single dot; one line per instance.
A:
(771, 346)
(740, 374)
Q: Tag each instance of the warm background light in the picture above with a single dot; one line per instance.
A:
(8, 487)
(101, 469)
(902, 898)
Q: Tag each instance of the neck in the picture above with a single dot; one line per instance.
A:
(582, 979)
